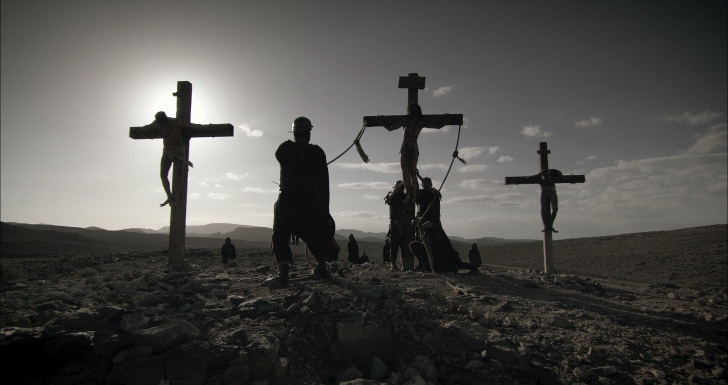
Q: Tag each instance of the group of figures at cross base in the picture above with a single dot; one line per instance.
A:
(427, 242)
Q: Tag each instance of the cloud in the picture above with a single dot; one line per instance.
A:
(203, 184)
(372, 197)
(356, 214)
(217, 196)
(250, 132)
(483, 185)
(217, 185)
(505, 159)
(386, 168)
(365, 185)
(583, 161)
(468, 153)
(714, 139)
(231, 176)
(593, 121)
(442, 91)
(509, 199)
(254, 190)
(473, 168)
(534, 131)
(432, 166)
(692, 118)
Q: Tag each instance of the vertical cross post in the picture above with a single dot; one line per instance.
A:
(178, 215)
(548, 244)
(544, 152)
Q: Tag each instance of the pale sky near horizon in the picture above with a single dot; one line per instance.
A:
(632, 94)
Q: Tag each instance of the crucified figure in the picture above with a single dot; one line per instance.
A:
(549, 200)
(174, 149)
(409, 153)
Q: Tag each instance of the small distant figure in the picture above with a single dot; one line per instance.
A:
(386, 253)
(228, 251)
(474, 256)
(549, 200)
(353, 248)
(364, 258)
(174, 149)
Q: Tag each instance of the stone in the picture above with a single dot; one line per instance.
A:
(133, 322)
(165, 336)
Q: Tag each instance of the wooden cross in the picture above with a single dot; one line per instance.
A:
(178, 214)
(413, 83)
(545, 213)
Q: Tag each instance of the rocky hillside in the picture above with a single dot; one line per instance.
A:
(629, 309)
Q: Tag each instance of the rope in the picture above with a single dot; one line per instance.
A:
(356, 143)
(454, 156)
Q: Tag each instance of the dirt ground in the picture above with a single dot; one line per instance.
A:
(647, 308)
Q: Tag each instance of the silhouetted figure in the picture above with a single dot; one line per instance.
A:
(446, 258)
(395, 200)
(364, 258)
(386, 252)
(228, 251)
(302, 207)
(474, 255)
(353, 249)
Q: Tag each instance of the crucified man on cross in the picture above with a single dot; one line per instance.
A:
(409, 152)
(174, 149)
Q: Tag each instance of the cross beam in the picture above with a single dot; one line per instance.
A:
(547, 215)
(413, 83)
(178, 210)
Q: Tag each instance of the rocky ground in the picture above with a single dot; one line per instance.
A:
(612, 315)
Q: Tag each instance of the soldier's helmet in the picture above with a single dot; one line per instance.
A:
(301, 124)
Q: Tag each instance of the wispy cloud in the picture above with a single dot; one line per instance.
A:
(473, 168)
(583, 161)
(365, 186)
(232, 176)
(693, 118)
(356, 214)
(481, 184)
(714, 139)
(218, 196)
(468, 153)
(505, 159)
(442, 91)
(249, 131)
(593, 121)
(534, 131)
(255, 190)
(386, 168)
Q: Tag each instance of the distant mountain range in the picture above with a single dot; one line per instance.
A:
(263, 234)
(40, 240)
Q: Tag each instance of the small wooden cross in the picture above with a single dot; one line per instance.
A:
(546, 214)
(178, 214)
(413, 83)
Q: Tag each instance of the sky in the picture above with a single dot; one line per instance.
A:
(631, 94)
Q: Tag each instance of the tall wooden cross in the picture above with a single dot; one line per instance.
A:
(544, 152)
(413, 83)
(178, 214)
